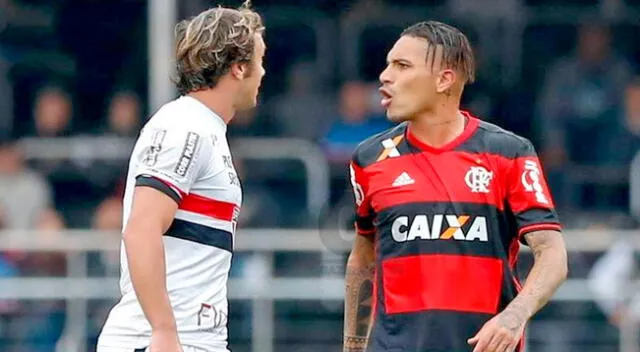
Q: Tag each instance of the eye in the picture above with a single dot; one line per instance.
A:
(402, 65)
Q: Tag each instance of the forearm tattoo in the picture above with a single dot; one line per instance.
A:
(358, 304)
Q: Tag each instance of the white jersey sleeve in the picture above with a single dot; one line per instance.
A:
(610, 278)
(171, 159)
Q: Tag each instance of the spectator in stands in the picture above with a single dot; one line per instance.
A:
(251, 123)
(611, 282)
(8, 267)
(49, 223)
(108, 218)
(303, 110)
(356, 122)
(260, 208)
(363, 10)
(8, 308)
(612, 278)
(124, 115)
(123, 120)
(24, 193)
(580, 98)
(625, 142)
(53, 112)
(40, 324)
(53, 115)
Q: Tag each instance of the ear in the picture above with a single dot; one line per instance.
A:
(446, 80)
(239, 71)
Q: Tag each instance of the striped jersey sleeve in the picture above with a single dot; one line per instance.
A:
(171, 159)
(364, 211)
(528, 194)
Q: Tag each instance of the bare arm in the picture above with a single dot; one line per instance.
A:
(504, 331)
(358, 295)
(547, 274)
(151, 215)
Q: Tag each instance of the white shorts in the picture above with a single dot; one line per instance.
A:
(120, 349)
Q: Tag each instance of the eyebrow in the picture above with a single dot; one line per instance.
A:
(395, 61)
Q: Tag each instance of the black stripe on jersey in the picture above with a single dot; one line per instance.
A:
(140, 349)
(150, 181)
(365, 223)
(537, 216)
(491, 139)
(500, 230)
(202, 234)
(433, 331)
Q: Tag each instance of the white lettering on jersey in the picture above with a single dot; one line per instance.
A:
(184, 162)
(357, 189)
(531, 181)
(402, 230)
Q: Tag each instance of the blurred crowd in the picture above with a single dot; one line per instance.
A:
(79, 68)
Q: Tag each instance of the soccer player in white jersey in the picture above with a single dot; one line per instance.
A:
(183, 195)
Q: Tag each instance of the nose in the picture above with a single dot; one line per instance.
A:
(385, 76)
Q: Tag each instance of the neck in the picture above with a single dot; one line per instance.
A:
(218, 101)
(440, 126)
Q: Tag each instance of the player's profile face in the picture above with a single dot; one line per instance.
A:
(251, 83)
(409, 80)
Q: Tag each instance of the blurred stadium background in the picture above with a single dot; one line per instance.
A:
(79, 77)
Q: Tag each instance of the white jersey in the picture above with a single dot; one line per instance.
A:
(183, 152)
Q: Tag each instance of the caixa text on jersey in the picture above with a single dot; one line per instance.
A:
(441, 227)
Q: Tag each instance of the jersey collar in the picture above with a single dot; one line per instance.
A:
(470, 128)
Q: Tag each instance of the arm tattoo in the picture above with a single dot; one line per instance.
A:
(358, 299)
(354, 344)
(548, 272)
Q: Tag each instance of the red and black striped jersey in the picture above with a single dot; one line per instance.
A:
(448, 223)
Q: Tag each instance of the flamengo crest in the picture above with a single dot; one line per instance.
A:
(478, 179)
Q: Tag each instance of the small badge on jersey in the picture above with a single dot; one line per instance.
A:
(150, 157)
(478, 179)
(188, 154)
(532, 181)
(210, 318)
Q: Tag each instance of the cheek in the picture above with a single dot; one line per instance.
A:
(414, 92)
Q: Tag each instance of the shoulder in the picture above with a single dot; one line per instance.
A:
(174, 124)
(179, 115)
(370, 150)
(493, 139)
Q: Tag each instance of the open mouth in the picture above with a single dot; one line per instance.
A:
(386, 98)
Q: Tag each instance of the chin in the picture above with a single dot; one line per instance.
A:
(395, 117)
(247, 105)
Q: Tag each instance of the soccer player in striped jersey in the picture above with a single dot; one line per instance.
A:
(443, 202)
(183, 196)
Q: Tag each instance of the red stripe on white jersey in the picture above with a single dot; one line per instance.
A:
(208, 207)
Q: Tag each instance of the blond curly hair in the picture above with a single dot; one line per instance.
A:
(208, 44)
